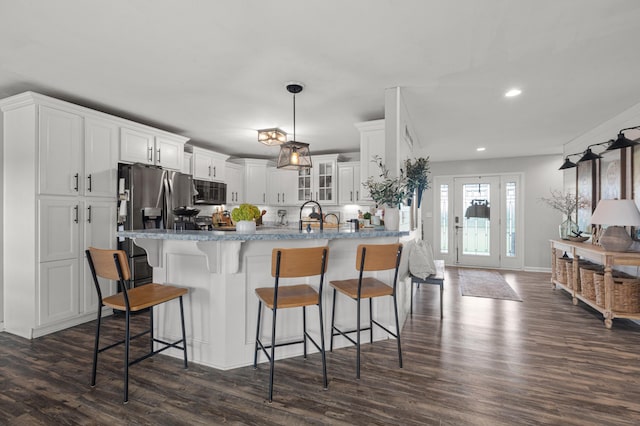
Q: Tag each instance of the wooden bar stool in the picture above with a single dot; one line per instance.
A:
(112, 265)
(370, 257)
(292, 263)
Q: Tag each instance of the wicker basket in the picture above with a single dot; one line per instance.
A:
(626, 295)
(581, 264)
(587, 287)
(561, 269)
(626, 292)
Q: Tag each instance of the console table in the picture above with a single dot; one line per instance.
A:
(596, 254)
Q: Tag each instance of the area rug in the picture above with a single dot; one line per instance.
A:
(481, 283)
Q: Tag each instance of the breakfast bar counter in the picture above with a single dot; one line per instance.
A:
(222, 269)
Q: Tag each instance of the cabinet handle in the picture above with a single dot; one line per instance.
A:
(150, 150)
(357, 195)
(317, 196)
(351, 196)
(76, 213)
(264, 197)
(158, 151)
(278, 197)
(209, 171)
(75, 187)
(89, 214)
(283, 198)
(89, 188)
(214, 171)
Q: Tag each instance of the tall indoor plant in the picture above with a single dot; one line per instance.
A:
(417, 172)
(387, 191)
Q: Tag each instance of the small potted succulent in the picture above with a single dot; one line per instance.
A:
(244, 216)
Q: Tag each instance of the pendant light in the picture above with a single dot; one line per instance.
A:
(293, 154)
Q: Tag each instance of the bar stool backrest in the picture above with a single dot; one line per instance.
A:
(378, 257)
(105, 265)
(298, 262)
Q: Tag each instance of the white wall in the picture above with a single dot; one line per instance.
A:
(541, 174)
(1, 224)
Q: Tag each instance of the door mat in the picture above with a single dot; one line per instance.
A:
(490, 284)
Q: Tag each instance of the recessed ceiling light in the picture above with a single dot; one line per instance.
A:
(513, 92)
(480, 149)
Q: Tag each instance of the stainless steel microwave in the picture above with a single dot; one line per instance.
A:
(210, 192)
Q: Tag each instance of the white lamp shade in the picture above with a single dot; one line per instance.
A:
(616, 213)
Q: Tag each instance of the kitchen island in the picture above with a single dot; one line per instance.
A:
(222, 269)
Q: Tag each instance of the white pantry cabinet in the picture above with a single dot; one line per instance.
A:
(147, 146)
(208, 165)
(60, 164)
(349, 186)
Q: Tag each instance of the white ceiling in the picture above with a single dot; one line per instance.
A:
(215, 71)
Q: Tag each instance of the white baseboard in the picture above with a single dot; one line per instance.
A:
(537, 269)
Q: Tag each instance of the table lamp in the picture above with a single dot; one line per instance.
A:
(616, 214)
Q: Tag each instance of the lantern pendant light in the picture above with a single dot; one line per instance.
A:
(293, 154)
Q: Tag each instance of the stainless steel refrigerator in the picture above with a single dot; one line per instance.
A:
(147, 196)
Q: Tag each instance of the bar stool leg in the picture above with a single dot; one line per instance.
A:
(151, 336)
(395, 308)
(273, 353)
(184, 334)
(358, 342)
(324, 357)
(255, 355)
(370, 320)
(411, 291)
(127, 340)
(441, 293)
(333, 318)
(95, 347)
(304, 331)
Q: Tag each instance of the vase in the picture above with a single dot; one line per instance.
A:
(567, 229)
(246, 227)
(391, 218)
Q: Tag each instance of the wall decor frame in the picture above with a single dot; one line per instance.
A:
(586, 189)
(612, 175)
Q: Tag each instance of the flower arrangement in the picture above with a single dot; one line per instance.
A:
(245, 212)
(566, 203)
(390, 191)
(417, 176)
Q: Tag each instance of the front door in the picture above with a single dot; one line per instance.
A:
(477, 221)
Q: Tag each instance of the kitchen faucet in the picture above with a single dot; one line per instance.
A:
(312, 215)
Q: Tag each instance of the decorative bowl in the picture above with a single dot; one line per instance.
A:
(578, 239)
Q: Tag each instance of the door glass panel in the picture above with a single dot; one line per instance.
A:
(476, 238)
(444, 218)
(510, 219)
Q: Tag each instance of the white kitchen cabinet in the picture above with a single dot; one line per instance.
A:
(319, 183)
(59, 227)
(58, 295)
(234, 177)
(281, 187)
(208, 165)
(59, 148)
(148, 146)
(98, 230)
(255, 179)
(372, 143)
(186, 164)
(349, 187)
(100, 157)
(46, 142)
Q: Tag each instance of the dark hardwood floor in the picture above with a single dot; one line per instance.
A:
(488, 362)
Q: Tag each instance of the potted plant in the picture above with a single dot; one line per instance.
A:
(417, 173)
(387, 191)
(245, 216)
(566, 203)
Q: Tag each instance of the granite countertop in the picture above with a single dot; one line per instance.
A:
(268, 233)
